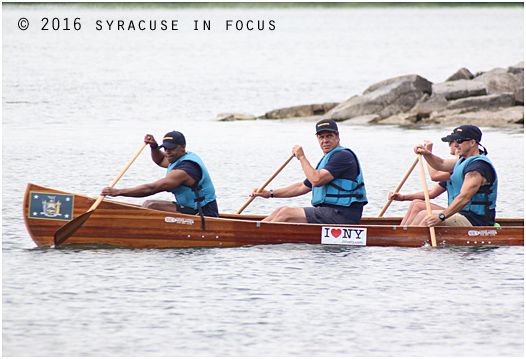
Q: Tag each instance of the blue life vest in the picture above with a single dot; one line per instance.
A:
(485, 199)
(204, 192)
(340, 192)
(450, 192)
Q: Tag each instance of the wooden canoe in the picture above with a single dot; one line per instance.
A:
(122, 224)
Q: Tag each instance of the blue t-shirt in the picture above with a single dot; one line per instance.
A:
(483, 168)
(341, 164)
(192, 168)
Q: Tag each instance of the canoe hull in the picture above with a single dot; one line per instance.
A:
(120, 224)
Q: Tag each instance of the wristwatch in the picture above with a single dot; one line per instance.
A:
(271, 193)
(442, 216)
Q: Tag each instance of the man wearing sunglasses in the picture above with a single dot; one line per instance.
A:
(473, 182)
(418, 203)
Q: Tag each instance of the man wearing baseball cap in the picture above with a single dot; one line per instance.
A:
(337, 185)
(186, 177)
(473, 185)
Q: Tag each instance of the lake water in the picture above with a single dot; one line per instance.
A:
(77, 104)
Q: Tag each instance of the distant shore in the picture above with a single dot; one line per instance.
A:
(488, 98)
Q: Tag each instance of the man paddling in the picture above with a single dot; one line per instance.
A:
(417, 199)
(186, 177)
(338, 190)
(473, 192)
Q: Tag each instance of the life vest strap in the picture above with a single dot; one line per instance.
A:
(198, 200)
(342, 189)
(344, 195)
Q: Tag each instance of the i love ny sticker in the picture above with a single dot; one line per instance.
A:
(344, 235)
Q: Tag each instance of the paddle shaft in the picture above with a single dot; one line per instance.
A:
(265, 184)
(428, 203)
(99, 200)
(399, 186)
(67, 230)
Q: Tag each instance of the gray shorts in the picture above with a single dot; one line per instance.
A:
(330, 215)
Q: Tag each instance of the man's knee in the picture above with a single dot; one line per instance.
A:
(416, 204)
(290, 214)
(152, 204)
(147, 204)
(284, 213)
(417, 221)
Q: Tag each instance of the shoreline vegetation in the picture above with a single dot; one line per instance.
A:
(280, 5)
(488, 98)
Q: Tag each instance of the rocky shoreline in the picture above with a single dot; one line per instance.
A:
(492, 98)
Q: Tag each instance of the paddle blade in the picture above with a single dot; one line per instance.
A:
(67, 230)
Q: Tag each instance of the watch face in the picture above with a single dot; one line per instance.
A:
(442, 216)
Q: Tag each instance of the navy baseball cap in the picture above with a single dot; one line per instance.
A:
(326, 125)
(465, 132)
(173, 139)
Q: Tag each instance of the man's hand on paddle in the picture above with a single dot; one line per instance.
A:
(432, 220)
(264, 193)
(298, 152)
(109, 191)
(422, 149)
(395, 196)
(150, 140)
(428, 145)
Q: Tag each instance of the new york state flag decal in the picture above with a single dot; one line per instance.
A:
(51, 206)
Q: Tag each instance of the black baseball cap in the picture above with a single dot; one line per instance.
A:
(464, 132)
(326, 125)
(173, 139)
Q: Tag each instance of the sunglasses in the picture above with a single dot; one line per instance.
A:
(459, 141)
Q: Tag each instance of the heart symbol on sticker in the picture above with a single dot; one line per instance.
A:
(336, 232)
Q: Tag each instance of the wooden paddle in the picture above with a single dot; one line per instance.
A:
(265, 184)
(67, 230)
(428, 203)
(399, 186)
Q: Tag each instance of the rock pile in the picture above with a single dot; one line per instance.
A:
(492, 98)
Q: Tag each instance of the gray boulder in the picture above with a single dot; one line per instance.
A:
(488, 102)
(511, 116)
(519, 96)
(235, 117)
(419, 82)
(429, 104)
(462, 74)
(517, 69)
(406, 119)
(501, 82)
(300, 111)
(362, 120)
(394, 98)
(496, 70)
(453, 90)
